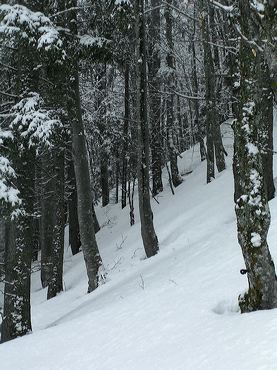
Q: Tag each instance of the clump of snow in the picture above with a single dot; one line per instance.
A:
(252, 148)
(254, 196)
(256, 239)
(248, 110)
(91, 41)
(257, 5)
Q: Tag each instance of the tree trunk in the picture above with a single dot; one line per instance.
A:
(150, 240)
(74, 232)
(18, 258)
(95, 220)
(125, 137)
(17, 309)
(104, 178)
(218, 144)
(117, 175)
(81, 167)
(55, 284)
(195, 89)
(170, 62)
(2, 244)
(252, 211)
(154, 63)
(214, 140)
(85, 206)
(267, 119)
(47, 218)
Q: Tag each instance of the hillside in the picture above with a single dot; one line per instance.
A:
(175, 311)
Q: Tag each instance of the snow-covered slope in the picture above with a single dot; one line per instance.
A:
(175, 311)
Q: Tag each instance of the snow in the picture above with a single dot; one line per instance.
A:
(256, 239)
(252, 148)
(21, 21)
(33, 121)
(257, 5)
(91, 41)
(175, 311)
(8, 193)
(122, 2)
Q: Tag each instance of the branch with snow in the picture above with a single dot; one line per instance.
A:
(8, 193)
(33, 122)
(91, 41)
(34, 27)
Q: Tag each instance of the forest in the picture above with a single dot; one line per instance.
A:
(128, 128)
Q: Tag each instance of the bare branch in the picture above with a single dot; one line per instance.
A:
(9, 95)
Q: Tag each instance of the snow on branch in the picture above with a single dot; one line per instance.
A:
(34, 122)
(119, 2)
(91, 41)
(225, 8)
(35, 27)
(8, 193)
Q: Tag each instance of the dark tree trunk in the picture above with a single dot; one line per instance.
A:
(18, 258)
(117, 175)
(17, 309)
(85, 207)
(267, 119)
(95, 220)
(170, 62)
(81, 167)
(215, 148)
(154, 64)
(55, 283)
(47, 223)
(150, 240)
(218, 147)
(252, 211)
(125, 137)
(131, 192)
(209, 94)
(218, 144)
(104, 178)
(2, 244)
(74, 232)
(195, 88)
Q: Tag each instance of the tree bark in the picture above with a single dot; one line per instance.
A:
(74, 231)
(125, 136)
(252, 211)
(47, 218)
(18, 257)
(150, 240)
(104, 179)
(170, 62)
(154, 63)
(55, 283)
(215, 148)
(81, 167)
(267, 119)
(195, 89)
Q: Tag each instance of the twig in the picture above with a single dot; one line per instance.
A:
(153, 196)
(122, 242)
(134, 254)
(142, 285)
(116, 263)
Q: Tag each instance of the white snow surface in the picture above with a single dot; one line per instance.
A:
(175, 311)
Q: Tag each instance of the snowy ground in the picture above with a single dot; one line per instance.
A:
(175, 311)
